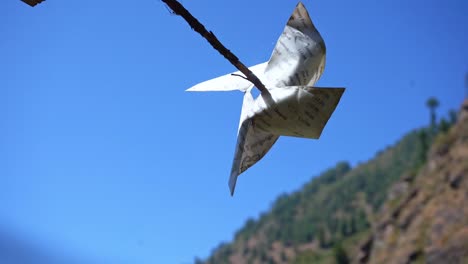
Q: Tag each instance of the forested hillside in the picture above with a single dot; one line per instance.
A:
(330, 219)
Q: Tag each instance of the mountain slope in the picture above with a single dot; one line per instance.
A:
(427, 220)
(328, 216)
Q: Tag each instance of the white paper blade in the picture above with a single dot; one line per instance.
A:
(299, 54)
(298, 111)
(229, 82)
(252, 144)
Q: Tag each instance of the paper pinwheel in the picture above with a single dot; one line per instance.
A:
(292, 106)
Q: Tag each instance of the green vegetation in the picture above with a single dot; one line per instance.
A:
(321, 257)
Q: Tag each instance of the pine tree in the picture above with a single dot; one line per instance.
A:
(432, 103)
(466, 85)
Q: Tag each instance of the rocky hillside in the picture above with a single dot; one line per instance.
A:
(426, 218)
(374, 212)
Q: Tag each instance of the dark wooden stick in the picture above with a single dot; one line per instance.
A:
(180, 10)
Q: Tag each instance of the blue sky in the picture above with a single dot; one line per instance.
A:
(103, 156)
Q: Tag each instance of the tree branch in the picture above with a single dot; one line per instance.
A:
(180, 10)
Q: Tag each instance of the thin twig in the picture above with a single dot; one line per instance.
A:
(238, 75)
(180, 10)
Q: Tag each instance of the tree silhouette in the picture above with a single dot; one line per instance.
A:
(466, 85)
(432, 103)
(340, 254)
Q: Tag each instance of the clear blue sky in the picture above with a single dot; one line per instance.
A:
(103, 156)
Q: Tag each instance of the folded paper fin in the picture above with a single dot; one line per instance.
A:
(299, 54)
(298, 111)
(251, 145)
(229, 82)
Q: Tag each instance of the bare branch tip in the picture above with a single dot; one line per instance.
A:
(238, 75)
